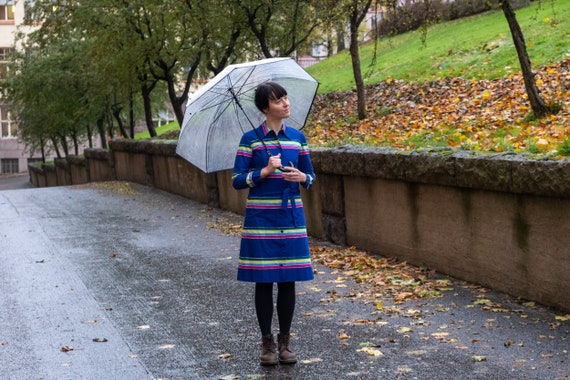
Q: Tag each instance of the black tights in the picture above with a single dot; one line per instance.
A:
(285, 305)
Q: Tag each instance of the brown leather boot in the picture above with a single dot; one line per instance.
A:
(286, 354)
(268, 353)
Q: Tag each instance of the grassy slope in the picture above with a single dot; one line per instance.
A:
(173, 126)
(477, 47)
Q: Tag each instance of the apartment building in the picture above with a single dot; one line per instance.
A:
(13, 156)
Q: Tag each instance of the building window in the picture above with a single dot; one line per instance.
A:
(7, 11)
(9, 127)
(4, 54)
(9, 166)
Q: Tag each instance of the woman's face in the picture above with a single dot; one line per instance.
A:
(278, 109)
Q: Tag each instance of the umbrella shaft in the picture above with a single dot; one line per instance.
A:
(250, 123)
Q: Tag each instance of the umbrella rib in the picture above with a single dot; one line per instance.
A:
(251, 85)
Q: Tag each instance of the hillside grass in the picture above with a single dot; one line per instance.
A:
(162, 130)
(477, 47)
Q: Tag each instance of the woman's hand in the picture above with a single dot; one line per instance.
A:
(273, 164)
(292, 174)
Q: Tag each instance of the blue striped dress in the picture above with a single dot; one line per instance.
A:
(274, 242)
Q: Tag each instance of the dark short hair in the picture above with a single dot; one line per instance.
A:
(266, 91)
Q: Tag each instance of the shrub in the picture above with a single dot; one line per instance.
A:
(401, 17)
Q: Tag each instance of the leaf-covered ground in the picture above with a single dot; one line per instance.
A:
(484, 115)
(382, 278)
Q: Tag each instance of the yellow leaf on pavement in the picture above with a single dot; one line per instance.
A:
(371, 351)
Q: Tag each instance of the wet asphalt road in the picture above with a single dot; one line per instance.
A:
(121, 281)
(15, 181)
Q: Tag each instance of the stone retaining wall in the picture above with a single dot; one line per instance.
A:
(500, 221)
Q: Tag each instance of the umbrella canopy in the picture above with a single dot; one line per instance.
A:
(220, 112)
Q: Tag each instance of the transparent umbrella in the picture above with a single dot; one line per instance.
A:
(220, 112)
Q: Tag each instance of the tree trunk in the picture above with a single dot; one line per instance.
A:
(43, 150)
(116, 111)
(102, 133)
(55, 147)
(75, 138)
(539, 108)
(64, 145)
(89, 135)
(340, 41)
(175, 101)
(131, 116)
(360, 91)
(356, 17)
(148, 111)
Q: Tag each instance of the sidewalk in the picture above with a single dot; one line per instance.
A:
(121, 281)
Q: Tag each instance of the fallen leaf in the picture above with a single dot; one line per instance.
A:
(311, 361)
(66, 348)
(370, 351)
(229, 377)
(440, 335)
(417, 352)
(225, 356)
(362, 322)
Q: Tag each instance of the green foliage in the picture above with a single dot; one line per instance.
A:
(564, 148)
(533, 146)
(383, 111)
(133, 56)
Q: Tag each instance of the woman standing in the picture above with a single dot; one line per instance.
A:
(271, 162)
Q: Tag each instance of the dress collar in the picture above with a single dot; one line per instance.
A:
(267, 130)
